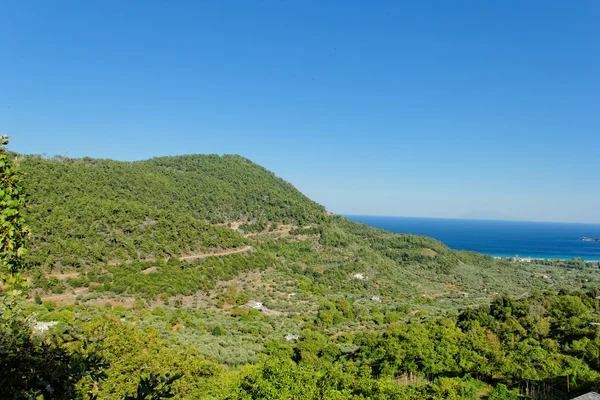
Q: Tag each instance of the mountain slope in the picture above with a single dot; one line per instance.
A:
(102, 213)
(87, 210)
(314, 304)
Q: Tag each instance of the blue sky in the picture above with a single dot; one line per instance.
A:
(412, 108)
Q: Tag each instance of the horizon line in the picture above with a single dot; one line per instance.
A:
(470, 219)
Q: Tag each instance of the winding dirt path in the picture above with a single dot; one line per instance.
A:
(67, 297)
(66, 275)
(220, 253)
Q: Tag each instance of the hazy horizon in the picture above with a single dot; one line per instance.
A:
(469, 219)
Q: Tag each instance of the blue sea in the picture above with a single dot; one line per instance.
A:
(498, 238)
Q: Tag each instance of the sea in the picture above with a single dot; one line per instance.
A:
(545, 240)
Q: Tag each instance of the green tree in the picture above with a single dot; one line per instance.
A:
(33, 366)
(155, 387)
(13, 232)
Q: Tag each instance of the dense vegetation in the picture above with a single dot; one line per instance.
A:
(84, 211)
(13, 232)
(366, 313)
(542, 346)
(172, 278)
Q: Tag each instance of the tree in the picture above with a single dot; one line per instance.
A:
(13, 232)
(33, 366)
(155, 387)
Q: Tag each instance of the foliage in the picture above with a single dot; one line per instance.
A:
(87, 210)
(13, 232)
(351, 312)
(182, 277)
(51, 284)
(533, 339)
(37, 364)
(155, 387)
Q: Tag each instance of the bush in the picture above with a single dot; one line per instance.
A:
(159, 312)
(218, 330)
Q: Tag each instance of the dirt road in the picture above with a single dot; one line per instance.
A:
(220, 253)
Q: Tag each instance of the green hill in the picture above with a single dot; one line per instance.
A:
(214, 268)
(121, 220)
(83, 211)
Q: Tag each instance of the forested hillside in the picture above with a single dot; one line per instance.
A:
(83, 211)
(214, 268)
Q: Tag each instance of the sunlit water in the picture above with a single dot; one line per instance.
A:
(499, 238)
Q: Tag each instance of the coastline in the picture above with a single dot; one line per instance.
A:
(530, 240)
(536, 257)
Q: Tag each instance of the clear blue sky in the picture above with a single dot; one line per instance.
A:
(414, 108)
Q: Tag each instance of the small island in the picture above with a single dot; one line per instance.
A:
(587, 239)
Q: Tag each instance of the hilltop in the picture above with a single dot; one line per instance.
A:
(84, 211)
